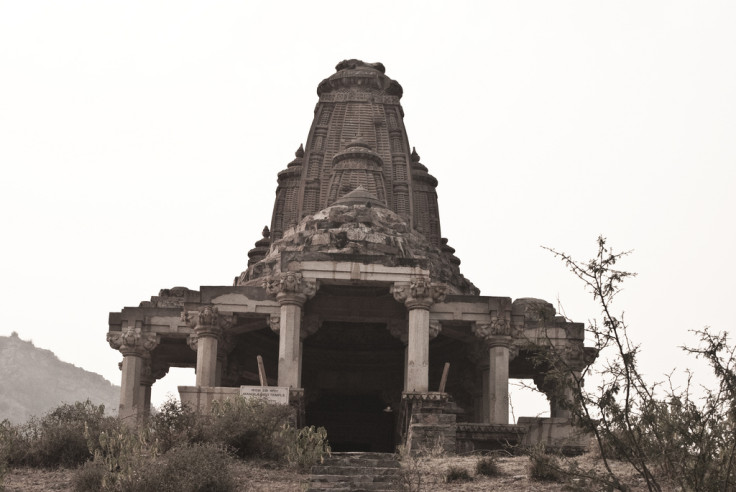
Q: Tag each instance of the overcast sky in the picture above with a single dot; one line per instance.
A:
(140, 142)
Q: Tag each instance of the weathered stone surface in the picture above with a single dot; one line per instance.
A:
(353, 284)
(342, 232)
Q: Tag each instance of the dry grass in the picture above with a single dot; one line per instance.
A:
(514, 474)
(264, 476)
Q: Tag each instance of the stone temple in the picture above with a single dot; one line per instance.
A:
(355, 303)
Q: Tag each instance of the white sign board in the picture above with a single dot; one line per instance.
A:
(272, 394)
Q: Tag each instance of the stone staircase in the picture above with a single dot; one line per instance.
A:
(355, 472)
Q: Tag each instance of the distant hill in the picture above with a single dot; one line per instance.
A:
(34, 381)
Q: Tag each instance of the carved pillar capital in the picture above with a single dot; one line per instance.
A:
(290, 288)
(497, 333)
(419, 293)
(207, 321)
(133, 341)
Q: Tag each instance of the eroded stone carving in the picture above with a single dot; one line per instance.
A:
(207, 321)
(274, 322)
(435, 327)
(289, 283)
(419, 292)
(310, 326)
(133, 341)
(151, 372)
(399, 329)
(498, 328)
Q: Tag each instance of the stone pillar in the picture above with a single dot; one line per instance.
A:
(486, 398)
(418, 296)
(498, 381)
(497, 337)
(150, 373)
(134, 344)
(291, 291)
(208, 326)
(417, 371)
(289, 341)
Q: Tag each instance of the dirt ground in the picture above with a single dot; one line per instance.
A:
(256, 476)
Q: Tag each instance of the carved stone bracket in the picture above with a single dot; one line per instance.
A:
(399, 329)
(192, 341)
(419, 292)
(150, 372)
(133, 341)
(274, 321)
(225, 345)
(290, 287)
(310, 326)
(435, 327)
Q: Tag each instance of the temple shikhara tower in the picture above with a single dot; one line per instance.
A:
(355, 303)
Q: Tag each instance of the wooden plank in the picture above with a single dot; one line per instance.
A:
(443, 381)
(262, 371)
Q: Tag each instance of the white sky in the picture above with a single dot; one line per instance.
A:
(140, 142)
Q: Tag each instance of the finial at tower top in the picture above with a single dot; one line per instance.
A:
(353, 64)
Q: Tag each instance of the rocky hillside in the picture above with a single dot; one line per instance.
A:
(34, 381)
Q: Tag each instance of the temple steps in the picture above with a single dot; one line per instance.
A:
(354, 472)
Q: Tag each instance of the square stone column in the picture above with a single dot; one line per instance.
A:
(498, 383)
(206, 360)
(208, 326)
(485, 409)
(497, 336)
(291, 291)
(131, 401)
(290, 344)
(418, 295)
(417, 368)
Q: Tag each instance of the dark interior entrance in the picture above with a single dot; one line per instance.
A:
(359, 422)
(352, 374)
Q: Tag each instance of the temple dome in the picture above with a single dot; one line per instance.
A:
(358, 227)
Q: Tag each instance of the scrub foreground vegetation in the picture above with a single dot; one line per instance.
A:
(644, 436)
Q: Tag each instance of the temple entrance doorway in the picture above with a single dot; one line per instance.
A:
(352, 374)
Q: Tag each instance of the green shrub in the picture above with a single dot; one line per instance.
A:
(543, 466)
(56, 439)
(89, 477)
(121, 452)
(187, 468)
(3, 468)
(487, 466)
(457, 474)
(175, 424)
(306, 446)
(250, 427)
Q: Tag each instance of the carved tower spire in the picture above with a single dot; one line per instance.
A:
(357, 138)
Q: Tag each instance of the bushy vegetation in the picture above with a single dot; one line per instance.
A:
(672, 438)
(543, 466)
(250, 427)
(488, 466)
(185, 468)
(56, 439)
(307, 446)
(176, 449)
(457, 474)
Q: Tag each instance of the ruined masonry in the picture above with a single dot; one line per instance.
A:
(356, 302)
